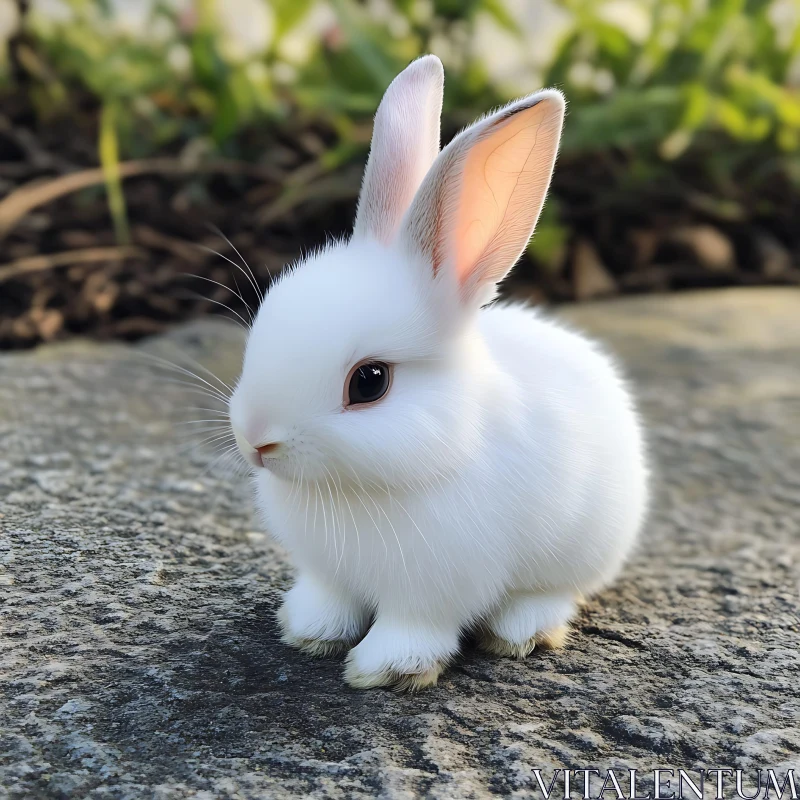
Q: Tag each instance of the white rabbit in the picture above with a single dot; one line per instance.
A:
(432, 465)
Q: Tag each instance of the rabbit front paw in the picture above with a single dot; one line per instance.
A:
(319, 621)
(404, 657)
(525, 621)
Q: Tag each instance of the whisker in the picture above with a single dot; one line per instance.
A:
(185, 434)
(227, 288)
(253, 282)
(244, 325)
(343, 493)
(369, 514)
(193, 388)
(200, 421)
(225, 455)
(221, 255)
(166, 364)
(215, 437)
(233, 274)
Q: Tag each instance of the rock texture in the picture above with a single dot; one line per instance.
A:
(139, 655)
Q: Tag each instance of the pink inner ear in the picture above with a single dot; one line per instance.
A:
(404, 166)
(405, 142)
(505, 180)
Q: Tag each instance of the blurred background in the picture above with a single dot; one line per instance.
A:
(133, 132)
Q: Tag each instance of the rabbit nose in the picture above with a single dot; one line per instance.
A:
(266, 449)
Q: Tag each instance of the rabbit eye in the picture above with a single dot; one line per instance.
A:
(368, 382)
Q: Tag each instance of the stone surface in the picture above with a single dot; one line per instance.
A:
(139, 655)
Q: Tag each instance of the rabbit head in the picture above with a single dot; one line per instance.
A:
(364, 363)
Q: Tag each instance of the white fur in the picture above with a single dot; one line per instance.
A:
(502, 476)
(405, 142)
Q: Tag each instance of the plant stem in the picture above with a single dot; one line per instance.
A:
(109, 161)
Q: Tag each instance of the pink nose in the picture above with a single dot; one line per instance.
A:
(266, 449)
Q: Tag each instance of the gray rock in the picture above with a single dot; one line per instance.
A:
(139, 655)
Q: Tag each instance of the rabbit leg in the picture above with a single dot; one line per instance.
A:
(524, 621)
(408, 655)
(318, 619)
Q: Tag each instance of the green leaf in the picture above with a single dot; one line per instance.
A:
(288, 13)
(498, 11)
(225, 120)
(108, 148)
(549, 242)
(369, 52)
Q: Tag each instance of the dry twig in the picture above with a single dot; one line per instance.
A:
(51, 260)
(32, 195)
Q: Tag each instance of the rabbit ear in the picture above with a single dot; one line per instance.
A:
(405, 142)
(478, 205)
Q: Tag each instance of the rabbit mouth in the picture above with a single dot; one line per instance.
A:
(260, 460)
(279, 467)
